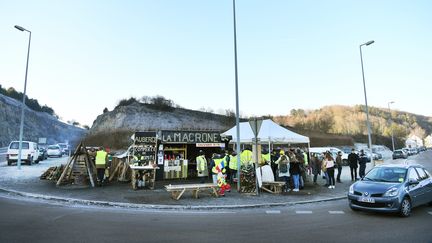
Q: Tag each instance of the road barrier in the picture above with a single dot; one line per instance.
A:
(3, 152)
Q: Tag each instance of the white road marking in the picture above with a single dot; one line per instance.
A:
(336, 212)
(303, 212)
(273, 212)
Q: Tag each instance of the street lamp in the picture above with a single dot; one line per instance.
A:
(23, 101)
(388, 104)
(367, 111)
(237, 101)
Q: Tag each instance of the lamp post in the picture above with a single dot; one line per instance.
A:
(23, 101)
(388, 104)
(237, 101)
(367, 111)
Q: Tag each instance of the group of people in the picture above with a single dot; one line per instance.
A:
(357, 161)
(223, 167)
(326, 164)
(289, 166)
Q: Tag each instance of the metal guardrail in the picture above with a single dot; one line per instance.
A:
(3, 152)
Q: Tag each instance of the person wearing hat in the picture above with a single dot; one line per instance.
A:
(202, 166)
(283, 163)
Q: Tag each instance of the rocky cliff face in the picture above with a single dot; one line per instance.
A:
(36, 125)
(146, 117)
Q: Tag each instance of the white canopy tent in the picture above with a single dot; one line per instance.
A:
(270, 132)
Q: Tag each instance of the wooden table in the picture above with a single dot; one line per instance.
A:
(149, 181)
(274, 187)
(178, 190)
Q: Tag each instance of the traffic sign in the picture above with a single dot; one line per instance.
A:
(256, 126)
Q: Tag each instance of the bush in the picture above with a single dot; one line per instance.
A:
(126, 102)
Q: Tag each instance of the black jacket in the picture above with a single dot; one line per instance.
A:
(353, 159)
(294, 168)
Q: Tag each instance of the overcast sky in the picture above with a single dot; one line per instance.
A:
(87, 55)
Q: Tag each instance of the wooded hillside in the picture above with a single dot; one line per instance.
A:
(346, 120)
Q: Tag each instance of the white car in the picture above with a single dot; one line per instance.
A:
(54, 150)
(29, 152)
(64, 147)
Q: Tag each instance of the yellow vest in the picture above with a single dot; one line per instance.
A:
(100, 157)
(265, 158)
(233, 162)
(246, 157)
(305, 158)
(201, 163)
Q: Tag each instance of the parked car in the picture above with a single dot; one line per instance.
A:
(42, 154)
(64, 147)
(54, 150)
(377, 156)
(399, 154)
(392, 188)
(29, 152)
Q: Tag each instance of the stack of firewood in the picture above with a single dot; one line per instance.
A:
(53, 173)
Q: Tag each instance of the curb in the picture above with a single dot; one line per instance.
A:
(86, 202)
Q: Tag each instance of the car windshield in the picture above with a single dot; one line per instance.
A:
(15, 145)
(53, 147)
(385, 174)
(62, 145)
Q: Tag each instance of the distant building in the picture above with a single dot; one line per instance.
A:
(413, 141)
(428, 141)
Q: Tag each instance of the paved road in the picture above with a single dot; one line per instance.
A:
(26, 221)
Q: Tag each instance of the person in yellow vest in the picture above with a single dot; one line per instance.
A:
(232, 165)
(101, 161)
(202, 166)
(246, 157)
(265, 157)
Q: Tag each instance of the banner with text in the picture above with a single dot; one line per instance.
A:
(145, 147)
(190, 137)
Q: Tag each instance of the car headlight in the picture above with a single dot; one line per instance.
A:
(391, 192)
(351, 189)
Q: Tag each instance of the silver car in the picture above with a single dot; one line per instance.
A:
(54, 150)
(392, 188)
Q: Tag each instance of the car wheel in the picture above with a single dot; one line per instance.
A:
(9, 163)
(405, 208)
(29, 162)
